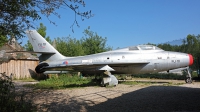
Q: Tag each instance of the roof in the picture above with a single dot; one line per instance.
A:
(14, 46)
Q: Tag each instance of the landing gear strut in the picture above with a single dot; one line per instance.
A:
(110, 80)
(188, 77)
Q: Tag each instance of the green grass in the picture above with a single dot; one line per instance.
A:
(74, 81)
(142, 82)
(163, 76)
(150, 83)
(64, 81)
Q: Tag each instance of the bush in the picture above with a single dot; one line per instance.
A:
(9, 100)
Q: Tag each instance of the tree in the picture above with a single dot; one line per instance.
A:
(3, 40)
(28, 46)
(192, 44)
(18, 15)
(166, 47)
(90, 44)
(93, 43)
(69, 46)
(42, 30)
(193, 47)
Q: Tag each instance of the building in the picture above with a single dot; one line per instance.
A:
(21, 65)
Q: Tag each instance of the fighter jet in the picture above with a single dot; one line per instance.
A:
(130, 60)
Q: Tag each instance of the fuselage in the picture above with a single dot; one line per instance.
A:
(131, 60)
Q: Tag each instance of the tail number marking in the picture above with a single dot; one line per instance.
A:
(41, 45)
(176, 61)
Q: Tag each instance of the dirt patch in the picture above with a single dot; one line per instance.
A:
(121, 98)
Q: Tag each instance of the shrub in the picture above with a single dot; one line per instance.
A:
(10, 101)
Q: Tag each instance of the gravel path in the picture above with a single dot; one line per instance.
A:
(123, 98)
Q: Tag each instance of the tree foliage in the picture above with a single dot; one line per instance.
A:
(69, 46)
(93, 43)
(15, 16)
(3, 40)
(190, 45)
(42, 30)
(18, 15)
(90, 44)
(28, 46)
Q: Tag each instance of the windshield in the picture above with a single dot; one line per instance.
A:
(148, 47)
(133, 48)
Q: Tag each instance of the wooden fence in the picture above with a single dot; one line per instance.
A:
(20, 69)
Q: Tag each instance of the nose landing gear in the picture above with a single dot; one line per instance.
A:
(188, 76)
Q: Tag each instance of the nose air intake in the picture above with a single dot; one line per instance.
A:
(190, 59)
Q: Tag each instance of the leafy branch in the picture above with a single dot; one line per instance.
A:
(17, 16)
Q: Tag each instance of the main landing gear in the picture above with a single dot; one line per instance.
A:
(110, 80)
(188, 76)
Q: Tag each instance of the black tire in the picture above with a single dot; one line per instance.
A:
(188, 80)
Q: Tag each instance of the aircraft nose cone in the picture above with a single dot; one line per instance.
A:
(190, 59)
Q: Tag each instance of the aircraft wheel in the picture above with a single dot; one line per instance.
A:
(188, 80)
(106, 85)
(102, 83)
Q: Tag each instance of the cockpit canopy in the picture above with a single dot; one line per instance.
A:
(144, 47)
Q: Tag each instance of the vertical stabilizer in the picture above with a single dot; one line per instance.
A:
(48, 52)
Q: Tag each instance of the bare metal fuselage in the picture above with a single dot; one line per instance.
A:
(124, 61)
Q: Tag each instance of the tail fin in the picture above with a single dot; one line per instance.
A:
(48, 52)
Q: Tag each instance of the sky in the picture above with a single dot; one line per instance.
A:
(130, 22)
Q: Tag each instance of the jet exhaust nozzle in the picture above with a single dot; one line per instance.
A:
(38, 69)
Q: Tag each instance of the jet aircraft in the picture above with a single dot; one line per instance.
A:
(130, 60)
